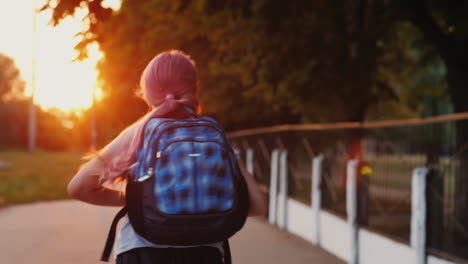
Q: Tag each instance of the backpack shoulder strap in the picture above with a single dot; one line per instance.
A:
(227, 252)
(192, 112)
(111, 236)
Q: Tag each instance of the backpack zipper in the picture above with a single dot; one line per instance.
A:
(150, 170)
(156, 145)
(195, 180)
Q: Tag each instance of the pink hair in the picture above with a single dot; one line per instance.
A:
(168, 81)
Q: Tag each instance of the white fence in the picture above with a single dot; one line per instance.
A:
(340, 237)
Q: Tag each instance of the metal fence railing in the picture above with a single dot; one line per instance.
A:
(388, 152)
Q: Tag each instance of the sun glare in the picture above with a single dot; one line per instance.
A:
(60, 82)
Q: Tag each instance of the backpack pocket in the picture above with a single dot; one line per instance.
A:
(193, 178)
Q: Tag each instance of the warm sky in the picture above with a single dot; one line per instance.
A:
(59, 82)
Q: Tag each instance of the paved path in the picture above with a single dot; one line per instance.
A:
(69, 232)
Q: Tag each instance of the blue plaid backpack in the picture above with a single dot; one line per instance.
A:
(186, 188)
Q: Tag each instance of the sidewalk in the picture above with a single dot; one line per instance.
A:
(261, 243)
(69, 232)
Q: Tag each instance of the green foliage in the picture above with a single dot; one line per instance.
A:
(260, 63)
(268, 62)
(51, 133)
(13, 117)
(14, 109)
(443, 25)
(10, 81)
(12, 114)
(413, 70)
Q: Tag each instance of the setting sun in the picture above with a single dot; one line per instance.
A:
(60, 82)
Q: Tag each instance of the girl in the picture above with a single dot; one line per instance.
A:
(168, 82)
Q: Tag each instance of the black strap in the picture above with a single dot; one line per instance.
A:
(111, 236)
(227, 252)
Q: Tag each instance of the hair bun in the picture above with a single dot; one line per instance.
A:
(169, 97)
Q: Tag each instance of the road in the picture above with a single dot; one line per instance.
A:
(70, 232)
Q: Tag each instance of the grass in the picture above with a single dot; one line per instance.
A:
(38, 176)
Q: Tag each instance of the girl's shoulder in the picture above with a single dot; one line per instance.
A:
(121, 142)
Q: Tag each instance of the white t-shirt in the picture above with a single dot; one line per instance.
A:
(128, 239)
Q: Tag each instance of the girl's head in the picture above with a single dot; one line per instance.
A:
(170, 75)
(168, 81)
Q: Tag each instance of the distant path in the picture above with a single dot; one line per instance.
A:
(69, 232)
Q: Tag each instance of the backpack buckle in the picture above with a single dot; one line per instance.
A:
(148, 175)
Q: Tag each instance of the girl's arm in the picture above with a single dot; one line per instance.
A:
(258, 205)
(86, 185)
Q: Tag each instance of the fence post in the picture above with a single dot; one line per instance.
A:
(249, 158)
(283, 190)
(351, 209)
(273, 187)
(316, 195)
(435, 209)
(418, 214)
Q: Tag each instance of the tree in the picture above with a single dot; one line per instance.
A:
(414, 72)
(11, 83)
(272, 62)
(444, 26)
(14, 113)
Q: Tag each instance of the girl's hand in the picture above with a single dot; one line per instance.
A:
(258, 204)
